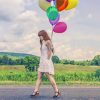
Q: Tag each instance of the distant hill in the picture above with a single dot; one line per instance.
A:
(15, 55)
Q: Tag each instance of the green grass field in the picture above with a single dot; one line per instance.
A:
(64, 74)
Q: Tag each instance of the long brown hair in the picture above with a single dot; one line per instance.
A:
(45, 37)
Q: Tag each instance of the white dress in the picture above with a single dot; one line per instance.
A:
(45, 65)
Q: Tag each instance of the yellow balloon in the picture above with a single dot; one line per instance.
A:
(72, 4)
(44, 5)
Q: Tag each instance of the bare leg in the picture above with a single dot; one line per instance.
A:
(38, 82)
(52, 80)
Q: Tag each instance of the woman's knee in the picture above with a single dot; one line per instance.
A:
(39, 75)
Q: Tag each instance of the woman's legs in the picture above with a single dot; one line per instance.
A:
(52, 80)
(38, 82)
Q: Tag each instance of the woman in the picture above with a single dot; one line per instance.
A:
(46, 65)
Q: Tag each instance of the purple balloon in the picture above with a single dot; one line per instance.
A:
(53, 22)
(50, 0)
(60, 27)
(53, 1)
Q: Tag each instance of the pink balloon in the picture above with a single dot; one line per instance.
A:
(60, 27)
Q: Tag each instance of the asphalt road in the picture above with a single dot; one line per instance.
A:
(46, 93)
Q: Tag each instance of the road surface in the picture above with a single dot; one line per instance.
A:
(46, 93)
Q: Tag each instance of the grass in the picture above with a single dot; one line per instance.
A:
(70, 75)
(75, 68)
(58, 67)
(67, 83)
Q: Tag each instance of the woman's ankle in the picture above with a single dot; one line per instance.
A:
(36, 90)
(56, 90)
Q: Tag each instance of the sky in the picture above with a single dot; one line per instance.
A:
(21, 20)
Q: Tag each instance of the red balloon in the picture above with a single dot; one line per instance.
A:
(61, 4)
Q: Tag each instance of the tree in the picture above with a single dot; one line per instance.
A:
(97, 73)
(66, 62)
(55, 59)
(20, 61)
(96, 60)
(72, 62)
(0, 60)
(11, 62)
(5, 60)
(31, 62)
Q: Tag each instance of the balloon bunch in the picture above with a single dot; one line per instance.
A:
(52, 8)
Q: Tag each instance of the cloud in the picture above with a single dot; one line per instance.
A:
(77, 54)
(90, 16)
(21, 30)
(10, 9)
(67, 15)
(21, 21)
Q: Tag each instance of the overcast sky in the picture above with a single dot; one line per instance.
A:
(20, 21)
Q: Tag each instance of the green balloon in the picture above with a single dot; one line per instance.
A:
(52, 13)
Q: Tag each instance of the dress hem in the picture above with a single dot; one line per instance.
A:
(46, 72)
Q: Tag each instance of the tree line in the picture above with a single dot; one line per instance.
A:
(31, 62)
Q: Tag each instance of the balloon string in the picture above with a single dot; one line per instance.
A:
(51, 39)
(52, 34)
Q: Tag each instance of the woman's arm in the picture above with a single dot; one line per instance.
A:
(48, 44)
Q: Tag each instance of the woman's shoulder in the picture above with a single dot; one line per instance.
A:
(48, 42)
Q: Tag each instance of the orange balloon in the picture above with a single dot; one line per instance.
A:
(61, 4)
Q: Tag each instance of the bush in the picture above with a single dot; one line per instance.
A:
(97, 73)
